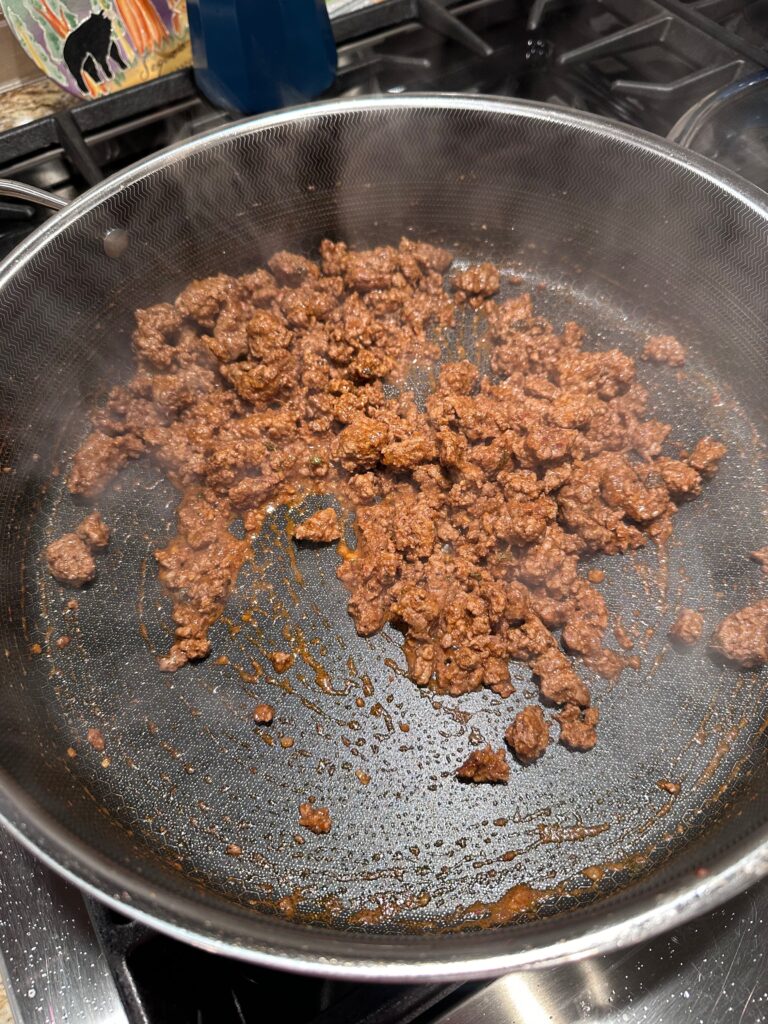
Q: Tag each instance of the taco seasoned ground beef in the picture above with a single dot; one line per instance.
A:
(474, 510)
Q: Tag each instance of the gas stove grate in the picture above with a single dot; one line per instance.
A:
(653, 59)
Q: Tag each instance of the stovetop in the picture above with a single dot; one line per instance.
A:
(649, 63)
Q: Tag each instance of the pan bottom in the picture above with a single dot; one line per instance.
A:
(200, 789)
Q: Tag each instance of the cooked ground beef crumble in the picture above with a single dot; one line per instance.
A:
(70, 558)
(742, 636)
(485, 765)
(70, 561)
(761, 557)
(263, 714)
(687, 627)
(664, 348)
(528, 736)
(473, 512)
(315, 819)
(322, 527)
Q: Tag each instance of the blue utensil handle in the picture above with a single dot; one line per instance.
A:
(256, 55)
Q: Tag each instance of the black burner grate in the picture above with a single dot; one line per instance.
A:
(648, 61)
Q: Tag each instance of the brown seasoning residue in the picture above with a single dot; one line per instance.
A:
(673, 788)
(96, 739)
(388, 910)
(517, 902)
(569, 833)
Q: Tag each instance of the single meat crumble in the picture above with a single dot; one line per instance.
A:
(485, 765)
(760, 556)
(316, 819)
(96, 739)
(322, 527)
(70, 561)
(577, 727)
(664, 348)
(281, 660)
(94, 531)
(742, 636)
(687, 627)
(528, 736)
(263, 714)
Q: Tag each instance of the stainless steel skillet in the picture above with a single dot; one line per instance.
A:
(630, 235)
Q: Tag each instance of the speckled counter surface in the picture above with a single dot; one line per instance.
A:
(5, 1011)
(27, 103)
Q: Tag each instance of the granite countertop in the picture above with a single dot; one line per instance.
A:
(28, 102)
(6, 1017)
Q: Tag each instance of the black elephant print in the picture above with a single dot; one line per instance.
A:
(89, 47)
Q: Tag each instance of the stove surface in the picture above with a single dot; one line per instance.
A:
(645, 62)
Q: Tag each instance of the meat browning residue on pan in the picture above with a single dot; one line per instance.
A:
(474, 514)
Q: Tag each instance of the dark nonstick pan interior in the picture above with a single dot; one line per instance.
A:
(191, 811)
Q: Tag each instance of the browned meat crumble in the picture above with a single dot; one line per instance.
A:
(473, 513)
(322, 527)
(70, 561)
(316, 819)
(485, 765)
(577, 727)
(706, 456)
(664, 348)
(742, 636)
(263, 714)
(281, 660)
(687, 627)
(673, 788)
(93, 531)
(96, 739)
(528, 736)
(475, 284)
(70, 558)
(761, 557)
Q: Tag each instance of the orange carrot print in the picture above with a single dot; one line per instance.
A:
(56, 22)
(94, 88)
(142, 23)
